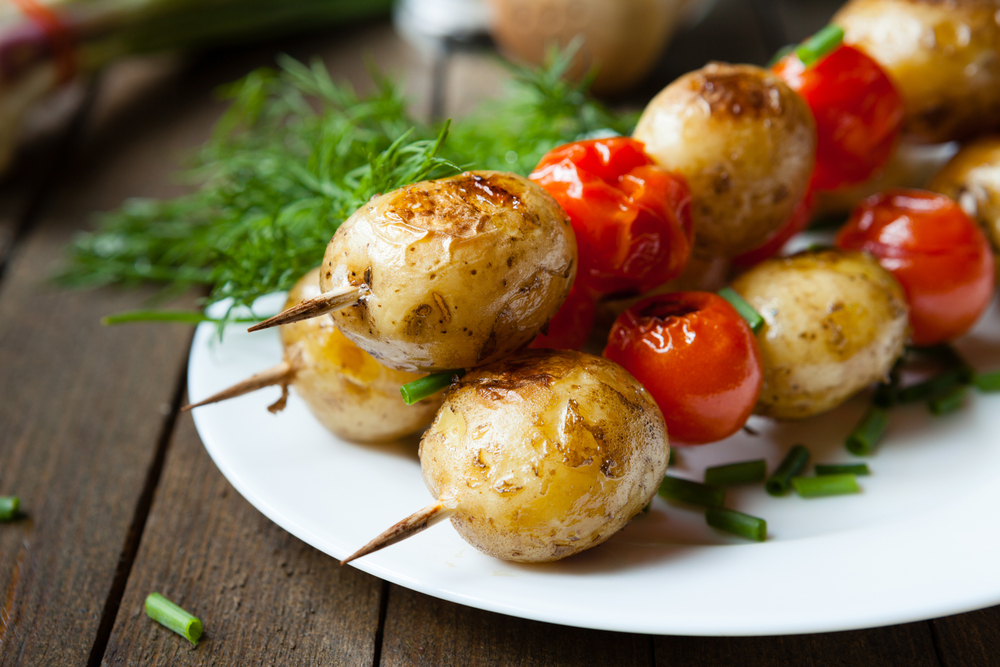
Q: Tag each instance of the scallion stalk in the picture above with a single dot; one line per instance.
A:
(428, 385)
(949, 402)
(781, 479)
(694, 493)
(820, 44)
(742, 472)
(825, 485)
(169, 615)
(842, 469)
(9, 506)
(987, 381)
(737, 523)
(868, 432)
(939, 385)
(745, 310)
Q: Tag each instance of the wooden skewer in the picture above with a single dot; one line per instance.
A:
(283, 374)
(327, 302)
(408, 527)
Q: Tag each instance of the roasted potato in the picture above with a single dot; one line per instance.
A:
(457, 272)
(836, 322)
(943, 55)
(745, 142)
(544, 454)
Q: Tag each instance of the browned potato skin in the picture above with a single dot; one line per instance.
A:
(836, 322)
(349, 392)
(545, 454)
(462, 270)
(745, 142)
(972, 178)
(943, 55)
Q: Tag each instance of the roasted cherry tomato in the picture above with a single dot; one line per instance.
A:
(935, 251)
(698, 359)
(632, 219)
(570, 328)
(858, 111)
(799, 221)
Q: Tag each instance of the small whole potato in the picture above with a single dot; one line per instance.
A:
(456, 272)
(943, 56)
(544, 454)
(836, 322)
(745, 142)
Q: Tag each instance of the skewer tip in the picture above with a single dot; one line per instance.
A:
(327, 302)
(408, 527)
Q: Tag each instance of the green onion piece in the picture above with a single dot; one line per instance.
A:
(175, 316)
(987, 381)
(695, 493)
(781, 53)
(745, 310)
(737, 473)
(953, 400)
(781, 479)
(428, 385)
(820, 44)
(169, 615)
(868, 432)
(940, 384)
(827, 485)
(737, 523)
(8, 507)
(672, 458)
(842, 469)
(947, 355)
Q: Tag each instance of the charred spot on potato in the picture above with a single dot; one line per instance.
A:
(730, 90)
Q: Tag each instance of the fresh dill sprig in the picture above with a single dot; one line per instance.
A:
(294, 155)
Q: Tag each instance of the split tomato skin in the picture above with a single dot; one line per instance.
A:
(937, 253)
(698, 359)
(632, 219)
(859, 113)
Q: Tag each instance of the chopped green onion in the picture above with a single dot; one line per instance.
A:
(736, 473)
(940, 384)
(428, 385)
(737, 523)
(820, 44)
(842, 469)
(942, 405)
(946, 355)
(987, 381)
(672, 458)
(8, 507)
(695, 493)
(169, 615)
(175, 316)
(868, 432)
(745, 310)
(781, 53)
(781, 479)
(826, 485)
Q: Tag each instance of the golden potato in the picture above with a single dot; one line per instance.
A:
(745, 142)
(457, 272)
(544, 454)
(836, 322)
(943, 55)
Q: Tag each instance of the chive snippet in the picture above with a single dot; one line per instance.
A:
(737, 523)
(820, 44)
(939, 385)
(987, 381)
(672, 458)
(868, 432)
(842, 469)
(9, 506)
(745, 310)
(694, 493)
(781, 53)
(781, 479)
(428, 385)
(169, 615)
(742, 472)
(826, 485)
(953, 400)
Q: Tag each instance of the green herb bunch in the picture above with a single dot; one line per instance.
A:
(294, 155)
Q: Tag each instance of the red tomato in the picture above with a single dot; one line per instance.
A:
(799, 221)
(858, 111)
(570, 328)
(936, 252)
(632, 219)
(697, 358)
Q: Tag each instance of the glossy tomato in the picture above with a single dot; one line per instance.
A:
(935, 251)
(698, 359)
(570, 328)
(632, 219)
(858, 111)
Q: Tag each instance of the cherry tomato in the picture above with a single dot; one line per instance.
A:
(799, 221)
(570, 327)
(858, 111)
(632, 219)
(935, 251)
(697, 358)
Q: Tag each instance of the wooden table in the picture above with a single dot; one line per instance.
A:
(120, 497)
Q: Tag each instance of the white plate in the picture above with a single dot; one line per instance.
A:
(920, 541)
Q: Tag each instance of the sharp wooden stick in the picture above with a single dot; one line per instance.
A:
(327, 302)
(282, 374)
(408, 527)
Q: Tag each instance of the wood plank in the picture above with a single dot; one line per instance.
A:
(968, 640)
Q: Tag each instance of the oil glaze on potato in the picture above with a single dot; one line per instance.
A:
(461, 271)
(545, 454)
(943, 55)
(745, 142)
(349, 392)
(836, 322)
